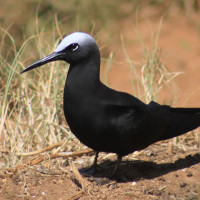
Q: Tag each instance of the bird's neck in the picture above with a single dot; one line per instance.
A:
(83, 76)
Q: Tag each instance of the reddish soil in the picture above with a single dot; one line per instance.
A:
(154, 173)
(179, 41)
(165, 170)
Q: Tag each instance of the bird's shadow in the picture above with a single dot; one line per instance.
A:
(137, 170)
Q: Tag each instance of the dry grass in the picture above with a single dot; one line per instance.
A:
(31, 112)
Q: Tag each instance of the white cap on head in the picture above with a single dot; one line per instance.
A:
(76, 37)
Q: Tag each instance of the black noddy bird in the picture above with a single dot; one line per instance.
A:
(107, 120)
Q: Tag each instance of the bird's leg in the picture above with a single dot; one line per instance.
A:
(119, 159)
(95, 160)
(93, 168)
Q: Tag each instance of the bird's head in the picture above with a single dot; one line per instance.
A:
(73, 49)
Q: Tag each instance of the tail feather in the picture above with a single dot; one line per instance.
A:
(180, 121)
(195, 111)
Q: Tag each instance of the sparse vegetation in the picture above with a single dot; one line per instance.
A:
(31, 115)
(32, 104)
(31, 112)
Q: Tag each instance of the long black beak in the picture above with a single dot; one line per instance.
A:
(52, 57)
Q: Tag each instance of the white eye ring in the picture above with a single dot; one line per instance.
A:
(75, 48)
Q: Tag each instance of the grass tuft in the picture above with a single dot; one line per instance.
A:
(32, 111)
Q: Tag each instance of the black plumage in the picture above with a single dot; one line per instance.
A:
(105, 119)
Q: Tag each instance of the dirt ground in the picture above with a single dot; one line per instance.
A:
(155, 173)
(165, 170)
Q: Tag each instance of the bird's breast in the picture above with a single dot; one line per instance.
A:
(80, 113)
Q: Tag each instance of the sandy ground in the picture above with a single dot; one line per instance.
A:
(155, 173)
(165, 170)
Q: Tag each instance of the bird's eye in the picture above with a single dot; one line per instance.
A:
(73, 47)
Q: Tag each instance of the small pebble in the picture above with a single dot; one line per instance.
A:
(161, 179)
(183, 184)
(114, 185)
(133, 183)
(150, 153)
(189, 174)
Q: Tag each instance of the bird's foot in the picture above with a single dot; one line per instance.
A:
(91, 170)
(114, 172)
